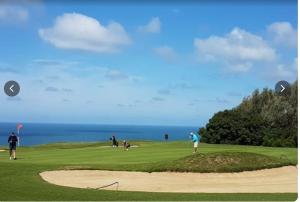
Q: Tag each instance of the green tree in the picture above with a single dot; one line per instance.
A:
(264, 118)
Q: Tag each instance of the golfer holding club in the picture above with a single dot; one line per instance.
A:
(196, 141)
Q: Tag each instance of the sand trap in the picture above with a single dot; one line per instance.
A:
(2, 150)
(277, 180)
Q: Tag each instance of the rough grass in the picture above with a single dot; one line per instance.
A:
(222, 162)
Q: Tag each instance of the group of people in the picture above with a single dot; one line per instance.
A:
(13, 141)
(115, 143)
(126, 145)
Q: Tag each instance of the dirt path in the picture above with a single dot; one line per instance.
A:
(276, 180)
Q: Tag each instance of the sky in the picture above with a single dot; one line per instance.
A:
(141, 63)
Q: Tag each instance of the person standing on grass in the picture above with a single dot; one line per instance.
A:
(126, 145)
(195, 140)
(12, 141)
(166, 137)
(114, 141)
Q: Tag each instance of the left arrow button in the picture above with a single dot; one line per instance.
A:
(11, 88)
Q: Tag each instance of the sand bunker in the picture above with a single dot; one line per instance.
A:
(2, 150)
(277, 180)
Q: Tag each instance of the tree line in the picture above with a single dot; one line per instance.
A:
(264, 118)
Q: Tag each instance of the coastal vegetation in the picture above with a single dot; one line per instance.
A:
(264, 118)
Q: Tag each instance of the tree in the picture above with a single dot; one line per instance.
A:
(264, 118)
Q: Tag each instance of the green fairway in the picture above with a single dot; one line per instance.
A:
(22, 177)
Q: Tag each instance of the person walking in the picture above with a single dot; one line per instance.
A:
(12, 141)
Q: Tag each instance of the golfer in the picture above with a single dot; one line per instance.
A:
(114, 141)
(12, 141)
(126, 145)
(166, 137)
(196, 141)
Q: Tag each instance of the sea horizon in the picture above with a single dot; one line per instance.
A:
(119, 124)
(45, 133)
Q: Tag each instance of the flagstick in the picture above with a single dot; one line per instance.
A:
(18, 137)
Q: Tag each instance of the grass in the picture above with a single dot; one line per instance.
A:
(21, 176)
(222, 162)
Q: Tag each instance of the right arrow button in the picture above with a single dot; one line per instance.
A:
(283, 88)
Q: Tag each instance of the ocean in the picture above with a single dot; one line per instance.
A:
(41, 133)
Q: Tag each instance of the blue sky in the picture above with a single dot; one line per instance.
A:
(153, 64)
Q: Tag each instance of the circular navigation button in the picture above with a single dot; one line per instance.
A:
(283, 88)
(11, 88)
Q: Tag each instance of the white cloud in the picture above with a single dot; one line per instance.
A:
(17, 98)
(238, 45)
(116, 75)
(182, 85)
(51, 89)
(13, 14)
(152, 27)
(113, 74)
(295, 64)
(167, 53)
(176, 10)
(282, 71)
(240, 67)
(234, 94)
(164, 92)
(136, 78)
(240, 51)
(53, 63)
(283, 34)
(213, 100)
(80, 32)
(159, 99)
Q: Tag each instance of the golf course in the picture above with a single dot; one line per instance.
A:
(23, 176)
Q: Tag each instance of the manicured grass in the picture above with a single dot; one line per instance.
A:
(20, 180)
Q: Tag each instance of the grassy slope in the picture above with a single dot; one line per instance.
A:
(222, 162)
(22, 175)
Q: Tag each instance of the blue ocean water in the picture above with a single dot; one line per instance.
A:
(40, 133)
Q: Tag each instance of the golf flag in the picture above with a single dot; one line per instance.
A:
(19, 126)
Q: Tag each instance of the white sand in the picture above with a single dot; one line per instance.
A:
(2, 150)
(276, 180)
